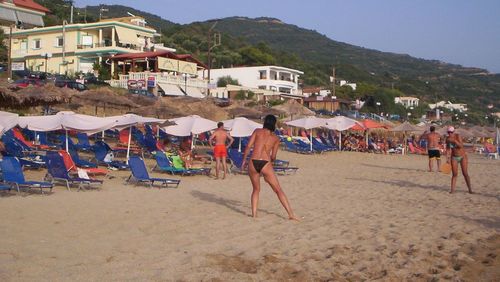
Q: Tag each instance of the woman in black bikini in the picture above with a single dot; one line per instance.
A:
(455, 149)
(265, 147)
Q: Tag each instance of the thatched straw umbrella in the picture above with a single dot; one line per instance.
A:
(160, 109)
(33, 96)
(191, 106)
(270, 111)
(294, 109)
(107, 98)
(245, 112)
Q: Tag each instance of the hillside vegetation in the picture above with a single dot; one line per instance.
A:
(261, 41)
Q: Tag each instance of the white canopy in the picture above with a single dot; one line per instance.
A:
(67, 121)
(185, 126)
(308, 123)
(7, 121)
(340, 123)
(128, 120)
(241, 126)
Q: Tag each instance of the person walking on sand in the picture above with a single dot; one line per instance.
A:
(455, 151)
(265, 147)
(220, 136)
(433, 139)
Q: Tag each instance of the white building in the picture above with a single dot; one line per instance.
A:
(450, 106)
(278, 79)
(407, 101)
(346, 83)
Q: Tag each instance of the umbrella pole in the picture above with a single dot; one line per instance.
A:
(67, 149)
(158, 132)
(239, 146)
(340, 140)
(129, 140)
(192, 141)
(311, 137)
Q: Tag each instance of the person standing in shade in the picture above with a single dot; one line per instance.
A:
(265, 147)
(220, 136)
(433, 139)
(456, 152)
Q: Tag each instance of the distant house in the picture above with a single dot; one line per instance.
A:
(407, 101)
(329, 104)
(231, 91)
(450, 106)
(274, 78)
(346, 83)
(311, 91)
(21, 14)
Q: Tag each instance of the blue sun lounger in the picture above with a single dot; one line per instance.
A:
(236, 159)
(57, 171)
(140, 174)
(13, 175)
(165, 165)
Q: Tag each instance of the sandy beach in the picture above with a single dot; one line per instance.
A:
(365, 217)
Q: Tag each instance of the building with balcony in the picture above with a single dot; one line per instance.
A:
(449, 105)
(21, 14)
(274, 78)
(74, 48)
(407, 101)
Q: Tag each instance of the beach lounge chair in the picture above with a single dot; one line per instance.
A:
(26, 156)
(236, 159)
(79, 162)
(20, 137)
(57, 171)
(140, 174)
(415, 150)
(83, 142)
(490, 151)
(13, 174)
(291, 147)
(72, 167)
(164, 164)
(101, 149)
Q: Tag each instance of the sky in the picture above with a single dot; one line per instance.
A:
(461, 32)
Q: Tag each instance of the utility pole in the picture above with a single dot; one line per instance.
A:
(71, 18)
(9, 55)
(333, 82)
(64, 47)
(210, 47)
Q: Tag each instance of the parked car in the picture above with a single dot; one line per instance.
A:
(142, 93)
(25, 82)
(71, 84)
(92, 79)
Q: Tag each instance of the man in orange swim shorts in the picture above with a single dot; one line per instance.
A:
(220, 136)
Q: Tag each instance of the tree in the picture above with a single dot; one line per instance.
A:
(3, 48)
(225, 80)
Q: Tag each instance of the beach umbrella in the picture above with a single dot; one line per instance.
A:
(129, 120)
(308, 123)
(405, 127)
(7, 121)
(241, 127)
(464, 132)
(340, 123)
(294, 108)
(190, 125)
(244, 112)
(66, 121)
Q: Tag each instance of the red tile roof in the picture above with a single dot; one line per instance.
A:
(30, 4)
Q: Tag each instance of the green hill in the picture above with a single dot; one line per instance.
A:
(258, 41)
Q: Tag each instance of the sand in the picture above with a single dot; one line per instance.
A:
(365, 217)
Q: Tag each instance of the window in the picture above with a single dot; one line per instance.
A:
(59, 41)
(262, 87)
(24, 44)
(37, 44)
(87, 40)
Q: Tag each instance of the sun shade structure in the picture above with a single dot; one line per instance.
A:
(405, 127)
(129, 120)
(241, 127)
(308, 123)
(341, 123)
(66, 121)
(7, 121)
(190, 125)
